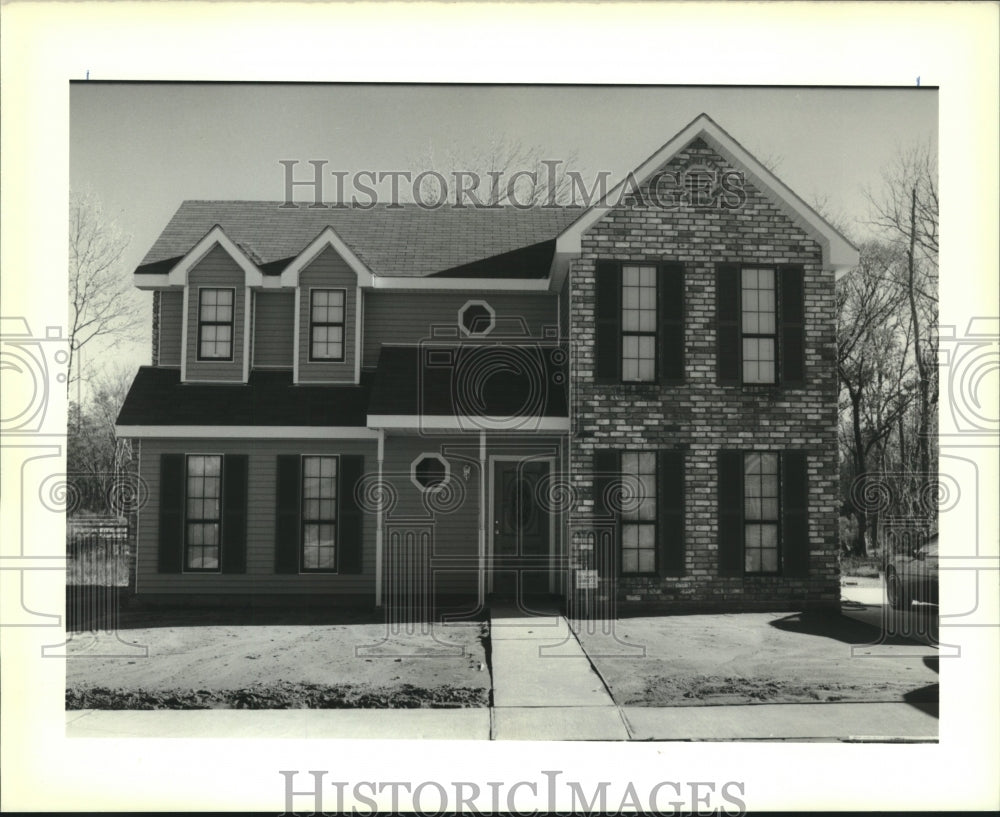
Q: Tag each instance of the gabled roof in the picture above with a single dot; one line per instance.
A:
(481, 245)
(408, 241)
(838, 252)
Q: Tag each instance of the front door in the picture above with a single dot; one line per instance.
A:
(521, 562)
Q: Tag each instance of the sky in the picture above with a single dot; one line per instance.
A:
(143, 148)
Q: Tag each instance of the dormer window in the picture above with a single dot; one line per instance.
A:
(215, 323)
(326, 324)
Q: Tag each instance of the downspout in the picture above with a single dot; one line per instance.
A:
(378, 521)
(482, 519)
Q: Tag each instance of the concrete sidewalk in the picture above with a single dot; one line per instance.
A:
(544, 687)
(836, 722)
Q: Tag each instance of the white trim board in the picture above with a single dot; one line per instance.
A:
(517, 425)
(247, 432)
(178, 275)
(839, 254)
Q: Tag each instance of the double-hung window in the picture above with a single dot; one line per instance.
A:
(761, 517)
(326, 324)
(215, 323)
(319, 514)
(203, 512)
(638, 518)
(760, 324)
(758, 315)
(638, 324)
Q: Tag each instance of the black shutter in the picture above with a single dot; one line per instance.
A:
(288, 531)
(608, 315)
(671, 319)
(607, 471)
(730, 513)
(670, 512)
(171, 536)
(791, 326)
(729, 351)
(794, 514)
(349, 515)
(234, 513)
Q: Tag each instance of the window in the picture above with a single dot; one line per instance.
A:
(476, 318)
(215, 324)
(758, 315)
(639, 518)
(326, 324)
(638, 324)
(319, 514)
(430, 472)
(203, 514)
(760, 512)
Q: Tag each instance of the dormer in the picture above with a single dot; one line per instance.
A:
(327, 277)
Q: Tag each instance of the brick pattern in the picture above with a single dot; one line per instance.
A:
(701, 416)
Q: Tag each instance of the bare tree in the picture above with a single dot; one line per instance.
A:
(502, 171)
(906, 212)
(102, 301)
(96, 457)
(873, 369)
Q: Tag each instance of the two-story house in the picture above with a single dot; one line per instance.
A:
(634, 400)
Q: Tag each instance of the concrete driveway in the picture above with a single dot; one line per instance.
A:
(863, 599)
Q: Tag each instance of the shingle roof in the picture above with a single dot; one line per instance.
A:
(494, 380)
(158, 398)
(408, 241)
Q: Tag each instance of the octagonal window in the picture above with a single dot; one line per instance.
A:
(476, 318)
(430, 472)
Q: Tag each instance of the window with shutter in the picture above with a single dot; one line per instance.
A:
(763, 513)
(640, 323)
(760, 324)
(319, 514)
(203, 513)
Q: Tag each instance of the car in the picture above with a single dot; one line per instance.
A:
(912, 574)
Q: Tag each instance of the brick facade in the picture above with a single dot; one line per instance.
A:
(700, 416)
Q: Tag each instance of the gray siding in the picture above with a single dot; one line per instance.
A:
(452, 521)
(170, 323)
(454, 525)
(327, 271)
(409, 317)
(262, 502)
(273, 330)
(217, 269)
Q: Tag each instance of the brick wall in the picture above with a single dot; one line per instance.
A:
(701, 416)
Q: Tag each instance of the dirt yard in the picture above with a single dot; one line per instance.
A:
(283, 661)
(699, 660)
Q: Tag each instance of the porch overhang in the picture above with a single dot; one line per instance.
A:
(470, 387)
(467, 424)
